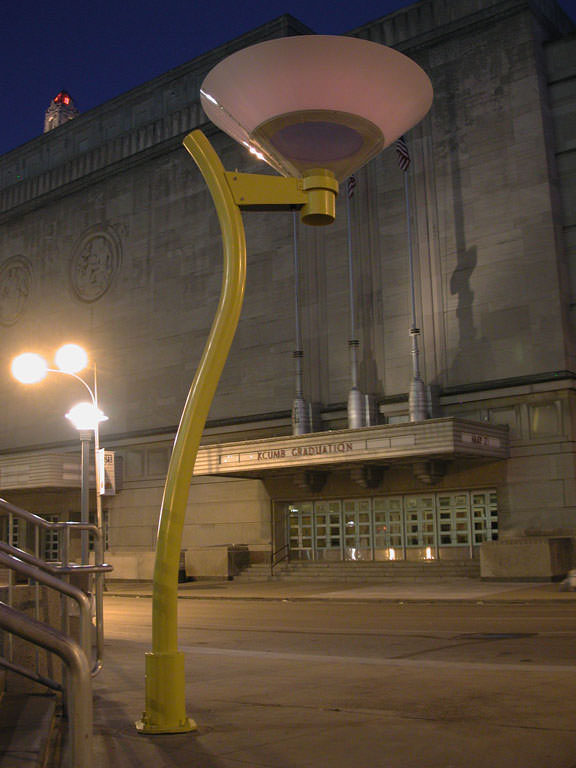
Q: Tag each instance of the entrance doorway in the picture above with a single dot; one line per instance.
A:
(447, 525)
(358, 529)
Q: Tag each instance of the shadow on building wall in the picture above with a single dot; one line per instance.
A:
(471, 359)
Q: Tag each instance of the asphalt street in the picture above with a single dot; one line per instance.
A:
(286, 684)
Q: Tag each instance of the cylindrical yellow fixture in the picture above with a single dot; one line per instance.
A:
(165, 695)
(165, 710)
(321, 189)
(165, 683)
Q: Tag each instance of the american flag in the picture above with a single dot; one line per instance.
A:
(351, 185)
(403, 154)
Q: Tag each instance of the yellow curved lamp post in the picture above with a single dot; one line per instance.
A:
(316, 108)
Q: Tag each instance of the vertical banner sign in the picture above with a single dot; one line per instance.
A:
(106, 473)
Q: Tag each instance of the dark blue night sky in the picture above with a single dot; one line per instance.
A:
(98, 50)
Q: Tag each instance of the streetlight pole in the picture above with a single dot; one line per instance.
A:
(93, 392)
(86, 417)
(30, 368)
(85, 440)
(99, 521)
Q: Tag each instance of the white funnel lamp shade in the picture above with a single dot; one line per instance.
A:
(316, 101)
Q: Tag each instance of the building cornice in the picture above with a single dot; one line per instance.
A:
(419, 25)
(433, 21)
(27, 173)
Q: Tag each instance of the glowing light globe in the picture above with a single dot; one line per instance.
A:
(85, 416)
(29, 368)
(71, 358)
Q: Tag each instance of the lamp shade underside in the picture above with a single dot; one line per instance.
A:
(316, 101)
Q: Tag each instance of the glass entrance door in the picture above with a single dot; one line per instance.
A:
(454, 519)
(51, 541)
(484, 513)
(420, 520)
(11, 530)
(357, 525)
(425, 526)
(388, 528)
(328, 530)
(301, 530)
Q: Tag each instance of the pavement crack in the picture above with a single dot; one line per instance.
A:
(448, 646)
(387, 713)
(304, 707)
(545, 728)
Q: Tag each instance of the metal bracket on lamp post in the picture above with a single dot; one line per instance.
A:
(315, 195)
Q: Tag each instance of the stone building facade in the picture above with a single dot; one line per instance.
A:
(109, 238)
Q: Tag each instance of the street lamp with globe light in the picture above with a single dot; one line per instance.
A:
(86, 417)
(70, 359)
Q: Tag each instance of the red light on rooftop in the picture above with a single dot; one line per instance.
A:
(62, 98)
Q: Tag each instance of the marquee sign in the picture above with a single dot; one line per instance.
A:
(440, 438)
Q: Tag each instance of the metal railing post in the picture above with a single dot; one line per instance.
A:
(78, 686)
(10, 557)
(64, 570)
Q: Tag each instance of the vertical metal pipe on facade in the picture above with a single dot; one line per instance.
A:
(355, 397)
(437, 531)
(470, 529)
(300, 410)
(417, 391)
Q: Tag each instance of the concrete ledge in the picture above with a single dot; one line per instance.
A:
(207, 563)
(218, 562)
(534, 558)
(132, 566)
(223, 561)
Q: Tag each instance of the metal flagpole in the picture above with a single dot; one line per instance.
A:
(300, 416)
(417, 392)
(355, 399)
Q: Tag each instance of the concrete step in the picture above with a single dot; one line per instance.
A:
(26, 729)
(257, 572)
(363, 571)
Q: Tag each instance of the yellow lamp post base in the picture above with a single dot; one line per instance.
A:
(165, 695)
(142, 726)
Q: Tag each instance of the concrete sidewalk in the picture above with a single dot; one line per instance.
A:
(458, 702)
(447, 590)
(255, 707)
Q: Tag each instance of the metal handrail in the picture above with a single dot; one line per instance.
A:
(53, 567)
(78, 679)
(67, 568)
(33, 518)
(10, 557)
(276, 559)
(36, 677)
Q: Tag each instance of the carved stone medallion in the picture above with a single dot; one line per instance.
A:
(15, 283)
(95, 262)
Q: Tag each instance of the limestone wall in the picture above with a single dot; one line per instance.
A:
(110, 239)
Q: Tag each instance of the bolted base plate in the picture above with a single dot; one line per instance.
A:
(143, 727)
(165, 696)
